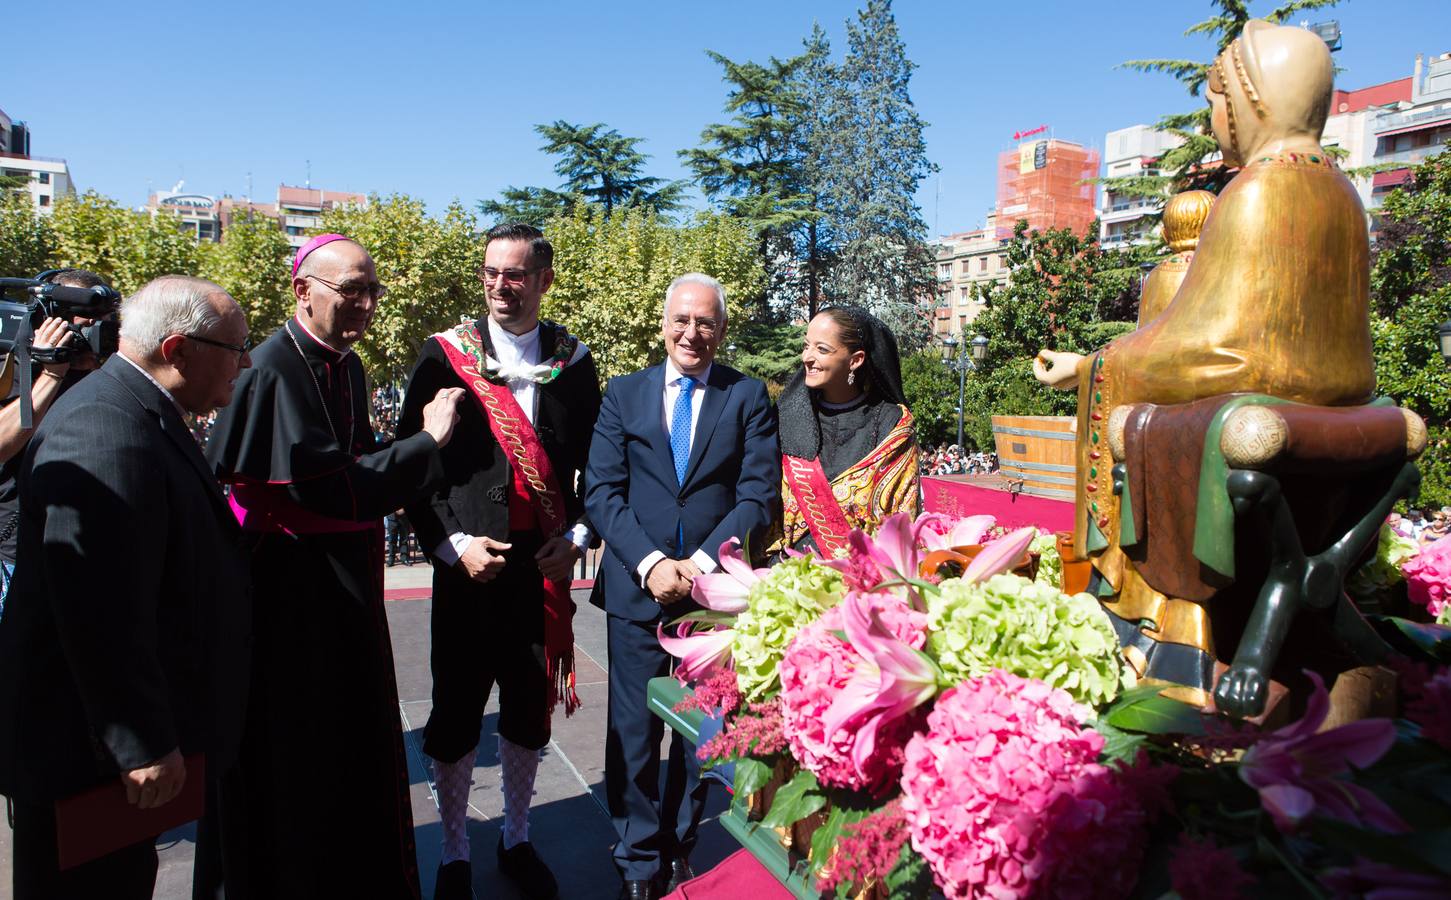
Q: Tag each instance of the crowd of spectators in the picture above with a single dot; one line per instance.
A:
(954, 460)
(386, 401)
(1423, 525)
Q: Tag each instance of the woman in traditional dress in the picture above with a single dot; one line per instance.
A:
(848, 455)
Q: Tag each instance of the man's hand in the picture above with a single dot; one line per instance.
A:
(1057, 370)
(54, 333)
(557, 557)
(151, 786)
(667, 582)
(441, 414)
(484, 558)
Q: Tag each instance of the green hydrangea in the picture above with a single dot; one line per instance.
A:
(1383, 571)
(1050, 564)
(1444, 618)
(1030, 629)
(795, 593)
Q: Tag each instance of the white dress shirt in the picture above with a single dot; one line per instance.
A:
(514, 352)
(673, 378)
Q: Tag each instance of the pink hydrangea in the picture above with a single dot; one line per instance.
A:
(1005, 798)
(1203, 870)
(1428, 576)
(814, 671)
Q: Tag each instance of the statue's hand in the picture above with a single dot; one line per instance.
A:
(1057, 370)
(1242, 691)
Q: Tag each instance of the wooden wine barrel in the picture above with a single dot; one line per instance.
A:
(1038, 451)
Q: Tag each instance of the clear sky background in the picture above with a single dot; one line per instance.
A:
(438, 99)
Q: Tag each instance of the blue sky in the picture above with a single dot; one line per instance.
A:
(438, 99)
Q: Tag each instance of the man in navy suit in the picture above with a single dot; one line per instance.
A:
(684, 458)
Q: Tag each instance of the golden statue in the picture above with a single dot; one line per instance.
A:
(1273, 309)
(1184, 217)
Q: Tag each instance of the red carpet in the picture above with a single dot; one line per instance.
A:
(737, 876)
(423, 592)
(957, 496)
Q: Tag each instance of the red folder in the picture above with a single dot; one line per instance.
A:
(94, 823)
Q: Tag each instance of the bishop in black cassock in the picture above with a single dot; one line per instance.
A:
(320, 806)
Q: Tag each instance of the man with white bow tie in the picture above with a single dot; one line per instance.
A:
(503, 535)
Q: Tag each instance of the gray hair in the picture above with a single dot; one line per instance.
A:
(697, 278)
(171, 304)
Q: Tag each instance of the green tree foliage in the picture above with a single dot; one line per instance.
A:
(534, 205)
(770, 351)
(875, 159)
(931, 391)
(753, 165)
(1411, 296)
(27, 242)
(253, 264)
(1067, 294)
(611, 273)
(1179, 166)
(124, 247)
(599, 165)
(430, 267)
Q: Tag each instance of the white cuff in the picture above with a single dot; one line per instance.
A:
(703, 562)
(450, 550)
(579, 536)
(648, 563)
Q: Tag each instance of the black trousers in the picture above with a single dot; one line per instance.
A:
(487, 634)
(127, 874)
(652, 829)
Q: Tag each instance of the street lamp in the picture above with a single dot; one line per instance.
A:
(1443, 334)
(964, 358)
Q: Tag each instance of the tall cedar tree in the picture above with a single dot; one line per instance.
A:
(599, 165)
(752, 165)
(876, 158)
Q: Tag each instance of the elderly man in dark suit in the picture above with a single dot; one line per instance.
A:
(684, 457)
(123, 645)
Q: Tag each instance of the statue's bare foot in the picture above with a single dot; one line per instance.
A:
(1242, 691)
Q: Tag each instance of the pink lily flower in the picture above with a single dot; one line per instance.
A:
(1295, 770)
(891, 679)
(726, 591)
(962, 532)
(701, 654)
(1000, 555)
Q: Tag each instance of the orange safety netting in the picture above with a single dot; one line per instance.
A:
(1049, 184)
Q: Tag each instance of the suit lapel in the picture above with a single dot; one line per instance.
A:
(154, 402)
(654, 404)
(711, 405)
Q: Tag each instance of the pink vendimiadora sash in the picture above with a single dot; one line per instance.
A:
(819, 508)
(267, 508)
(514, 433)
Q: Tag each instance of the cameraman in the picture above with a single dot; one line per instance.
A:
(49, 381)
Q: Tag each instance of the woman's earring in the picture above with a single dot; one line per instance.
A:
(851, 377)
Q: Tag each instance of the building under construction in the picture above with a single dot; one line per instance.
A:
(1049, 183)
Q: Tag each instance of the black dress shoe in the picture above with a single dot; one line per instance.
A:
(643, 889)
(528, 872)
(454, 881)
(680, 872)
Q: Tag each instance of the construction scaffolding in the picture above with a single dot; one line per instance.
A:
(1048, 183)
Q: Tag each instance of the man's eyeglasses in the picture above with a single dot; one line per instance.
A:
(703, 327)
(352, 291)
(240, 349)
(511, 276)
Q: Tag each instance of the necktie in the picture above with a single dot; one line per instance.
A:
(680, 427)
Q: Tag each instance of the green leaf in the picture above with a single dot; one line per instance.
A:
(1429, 643)
(797, 799)
(825, 837)
(1143, 710)
(910, 877)
(751, 776)
(1118, 744)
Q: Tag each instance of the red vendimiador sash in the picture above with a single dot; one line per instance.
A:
(515, 434)
(819, 508)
